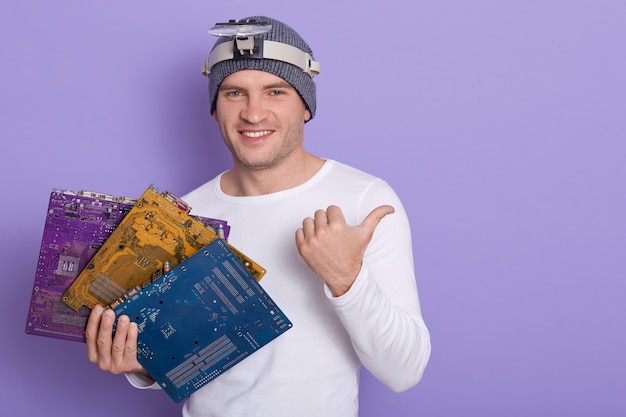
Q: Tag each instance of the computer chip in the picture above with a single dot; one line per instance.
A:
(200, 319)
(76, 225)
(158, 229)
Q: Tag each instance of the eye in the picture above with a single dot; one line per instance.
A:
(277, 92)
(233, 93)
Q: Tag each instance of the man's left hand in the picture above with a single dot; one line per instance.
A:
(333, 249)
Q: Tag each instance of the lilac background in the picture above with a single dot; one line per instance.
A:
(501, 124)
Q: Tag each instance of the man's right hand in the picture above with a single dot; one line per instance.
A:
(115, 354)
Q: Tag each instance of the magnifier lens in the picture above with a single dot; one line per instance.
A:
(239, 30)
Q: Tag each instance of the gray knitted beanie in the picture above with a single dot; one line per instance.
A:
(280, 32)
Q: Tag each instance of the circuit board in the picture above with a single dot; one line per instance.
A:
(157, 231)
(76, 225)
(200, 319)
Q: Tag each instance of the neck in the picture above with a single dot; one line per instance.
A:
(242, 181)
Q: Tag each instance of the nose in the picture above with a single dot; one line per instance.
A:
(255, 110)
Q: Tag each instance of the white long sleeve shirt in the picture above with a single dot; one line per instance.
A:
(313, 369)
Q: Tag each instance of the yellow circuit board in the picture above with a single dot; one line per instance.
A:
(158, 229)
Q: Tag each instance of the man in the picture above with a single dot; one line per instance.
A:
(335, 242)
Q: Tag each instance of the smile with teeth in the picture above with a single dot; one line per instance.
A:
(257, 134)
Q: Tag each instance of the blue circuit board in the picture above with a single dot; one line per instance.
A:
(200, 319)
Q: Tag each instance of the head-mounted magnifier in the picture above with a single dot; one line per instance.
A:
(246, 45)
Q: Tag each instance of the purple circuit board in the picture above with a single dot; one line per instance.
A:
(76, 225)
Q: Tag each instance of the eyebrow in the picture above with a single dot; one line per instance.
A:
(278, 84)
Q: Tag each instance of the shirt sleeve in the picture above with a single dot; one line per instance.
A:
(381, 311)
(140, 381)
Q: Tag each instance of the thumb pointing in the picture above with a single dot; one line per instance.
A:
(375, 216)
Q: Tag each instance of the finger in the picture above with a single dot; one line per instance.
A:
(308, 223)
(103, 341)
(118, 347)
(320, 218)
(131, 340)
(130, 350)
(371, 221)
(334, 214)
(308, 227)
(91, 332)
(303, 234)
(299, 236)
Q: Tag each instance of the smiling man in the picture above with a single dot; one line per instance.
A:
(335, 242)
(261, 118)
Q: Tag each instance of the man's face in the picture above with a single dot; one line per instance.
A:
(261, 118)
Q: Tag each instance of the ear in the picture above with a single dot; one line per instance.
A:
(215, 115)
(307, 115)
